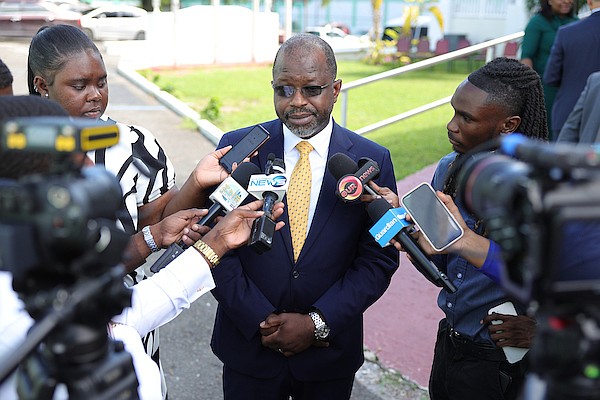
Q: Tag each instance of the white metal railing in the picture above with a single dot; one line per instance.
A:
(491, 49)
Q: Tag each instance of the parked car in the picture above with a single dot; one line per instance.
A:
(72, 5)
(115, 22)
(24, 18)
(337, 38)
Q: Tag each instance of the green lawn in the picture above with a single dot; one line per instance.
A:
(234, 97)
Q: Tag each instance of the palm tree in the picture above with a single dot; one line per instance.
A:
(412, 12)
(376, 5)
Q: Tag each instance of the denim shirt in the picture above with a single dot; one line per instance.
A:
(476, 293)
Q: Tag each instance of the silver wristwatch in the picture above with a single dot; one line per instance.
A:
(150, 239)
(321, 328)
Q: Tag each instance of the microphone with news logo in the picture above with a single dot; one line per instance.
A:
(352, 178)
(270, 186)
(391, 223)
(230, 194)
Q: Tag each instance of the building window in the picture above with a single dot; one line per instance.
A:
(479, 8)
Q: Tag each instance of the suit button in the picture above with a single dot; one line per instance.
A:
(295, 274)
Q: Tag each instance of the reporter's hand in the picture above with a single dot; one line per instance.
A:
(194, 233)
(514, 331)
(174, 227)
(418, 235)
(385, 192)
(208, 172)
(471, 246)
(233, 230)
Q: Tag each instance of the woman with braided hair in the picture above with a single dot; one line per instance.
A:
(502, 97)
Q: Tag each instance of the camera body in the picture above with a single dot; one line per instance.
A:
(61, 218)
(533, 208)
(540, 203)
(60, 240)
(65, 216)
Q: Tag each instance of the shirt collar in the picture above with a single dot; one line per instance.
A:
(319, 142)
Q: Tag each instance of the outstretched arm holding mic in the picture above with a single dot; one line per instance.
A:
(228, 195)
(170, 291)
(353, 182)
(389, 224)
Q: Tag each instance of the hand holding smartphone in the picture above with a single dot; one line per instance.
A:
(513, 354)
(432, 217)
(245, 147)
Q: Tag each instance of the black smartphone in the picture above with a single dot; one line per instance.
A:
(431, 216)
(245, 147)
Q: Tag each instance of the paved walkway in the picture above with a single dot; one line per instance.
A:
(401, 326)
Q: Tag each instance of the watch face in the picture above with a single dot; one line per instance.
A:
(321, 328)
(323, 332)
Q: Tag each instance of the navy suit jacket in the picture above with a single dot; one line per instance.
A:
(574, 56)
(583, 124)
(341, 271)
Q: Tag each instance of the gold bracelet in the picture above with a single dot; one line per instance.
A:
(207, 252)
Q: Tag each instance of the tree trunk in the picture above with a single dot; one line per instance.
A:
(376, 5)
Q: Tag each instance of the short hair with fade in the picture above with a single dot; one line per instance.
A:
(306, 43)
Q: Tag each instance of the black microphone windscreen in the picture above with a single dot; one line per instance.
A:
(377, 208)
(243, 172)
(340, 165)
(279, 165)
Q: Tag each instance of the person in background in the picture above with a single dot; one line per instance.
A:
(572, 59)
(290, 320)
(64, 65)
(583, 124)
(6, 80)
(539, 37)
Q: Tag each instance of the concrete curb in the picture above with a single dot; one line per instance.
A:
(205, 127)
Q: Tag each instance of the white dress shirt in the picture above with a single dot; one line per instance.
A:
(155, 301)
(317, 158)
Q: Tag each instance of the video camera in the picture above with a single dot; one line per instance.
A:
(540, 203)
(60, 241)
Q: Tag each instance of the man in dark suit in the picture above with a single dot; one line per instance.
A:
(574, 56)
(583, 124)
(290, 320)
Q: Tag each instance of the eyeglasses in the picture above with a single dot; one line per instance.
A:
(307, 91)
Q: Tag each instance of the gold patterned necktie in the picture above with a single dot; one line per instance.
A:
(298, 197)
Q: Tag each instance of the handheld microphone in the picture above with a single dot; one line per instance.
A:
(230, 194)
(352, 178)
(391, 223)
(270, 186)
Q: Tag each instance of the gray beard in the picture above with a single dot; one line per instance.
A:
(303, 132)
